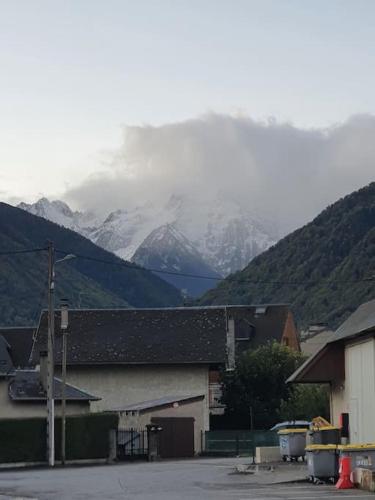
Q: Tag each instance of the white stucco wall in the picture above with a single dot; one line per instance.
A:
(360, 390)
(11, 409)
(122, 385)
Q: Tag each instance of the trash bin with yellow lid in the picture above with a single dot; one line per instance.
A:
(292, 443)
(362, 455)
(322, 462)
(325, 435)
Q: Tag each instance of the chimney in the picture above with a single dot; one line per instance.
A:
(43, 360)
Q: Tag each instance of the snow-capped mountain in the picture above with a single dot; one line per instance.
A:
(59, 212)
(218, 234)
(227, 236)
(167, 249)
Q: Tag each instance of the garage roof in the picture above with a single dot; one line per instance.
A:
(157, 403)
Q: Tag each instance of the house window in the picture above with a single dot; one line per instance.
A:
(260, 310)
(244, 330)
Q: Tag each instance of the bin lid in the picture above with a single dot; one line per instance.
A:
(292, 431)
(320, 447)
(356, 447)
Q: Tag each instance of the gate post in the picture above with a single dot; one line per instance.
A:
(112, 455)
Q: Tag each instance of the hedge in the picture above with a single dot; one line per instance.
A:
(23, 440)
(87, 436)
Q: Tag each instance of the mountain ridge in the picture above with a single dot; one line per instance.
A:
(167, 249)
(225, 235)
(338, 245)
(85, 282)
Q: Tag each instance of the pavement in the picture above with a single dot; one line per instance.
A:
(206, 479)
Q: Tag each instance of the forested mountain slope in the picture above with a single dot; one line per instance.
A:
(338, 245)
(85, 283)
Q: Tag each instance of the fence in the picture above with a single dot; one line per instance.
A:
(132, 444)
(237, 442)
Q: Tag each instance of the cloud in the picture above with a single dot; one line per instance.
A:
(274, 169)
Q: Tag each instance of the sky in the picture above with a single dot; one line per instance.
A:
(84, 84)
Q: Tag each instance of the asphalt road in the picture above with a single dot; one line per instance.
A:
(206, 479)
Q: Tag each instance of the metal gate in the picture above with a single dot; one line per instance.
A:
(177, 436)
(132, 444)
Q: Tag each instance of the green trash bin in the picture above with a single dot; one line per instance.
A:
(362, 455)
(322, 462)
(292, 443)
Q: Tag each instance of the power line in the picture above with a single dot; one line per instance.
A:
(28, 250)
(135, 267)
(214, 278)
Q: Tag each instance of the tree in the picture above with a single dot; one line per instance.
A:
(306, 401)
(257, 385)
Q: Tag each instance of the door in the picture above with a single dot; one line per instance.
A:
(177, 436)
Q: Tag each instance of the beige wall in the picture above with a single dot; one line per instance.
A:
(194, 409)
(10, 409)
(119, 386)
(338, 401)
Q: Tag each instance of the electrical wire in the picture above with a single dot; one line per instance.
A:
(27, 250)
(128, 265)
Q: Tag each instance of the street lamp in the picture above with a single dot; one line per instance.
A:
(50, 351)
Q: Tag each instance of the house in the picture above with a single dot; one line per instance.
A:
(129, 357)
(347, 363)
(23, 389)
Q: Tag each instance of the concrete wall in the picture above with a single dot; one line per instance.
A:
(11, 409)
(266, 454)
(194, 409)
(119, 386)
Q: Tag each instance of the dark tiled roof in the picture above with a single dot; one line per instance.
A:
(20, 340)
(6, 365)
(268, 321)
(140, 336)
(26, 386)
(159, 336)
(160, 402)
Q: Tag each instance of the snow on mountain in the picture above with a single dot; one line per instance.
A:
(59, 212)
(124, 230)
(227, 236)
(218, 233)
(167, 249)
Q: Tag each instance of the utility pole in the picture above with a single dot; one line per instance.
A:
(64, 331)
(50, 359)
